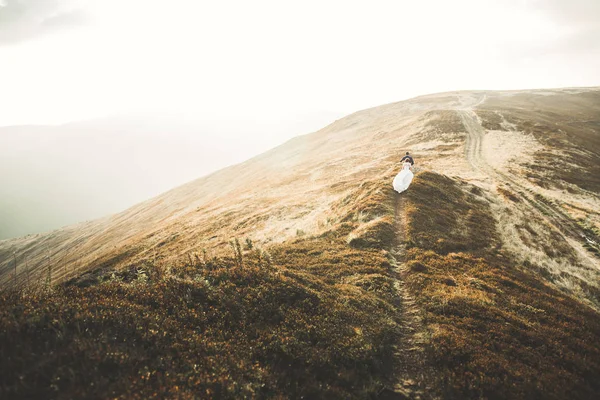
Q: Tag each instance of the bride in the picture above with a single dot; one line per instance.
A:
(404, 177)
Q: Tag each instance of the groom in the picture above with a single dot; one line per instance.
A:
(409, 158)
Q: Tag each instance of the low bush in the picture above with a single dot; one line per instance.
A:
(311, 318)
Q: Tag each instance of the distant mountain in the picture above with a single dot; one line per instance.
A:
(52, 176)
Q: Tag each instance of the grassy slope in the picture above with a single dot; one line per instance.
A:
(320, 320)
(574, 136)
(497, 331)
(316, 320)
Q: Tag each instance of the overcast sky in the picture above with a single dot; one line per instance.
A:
(65, 60)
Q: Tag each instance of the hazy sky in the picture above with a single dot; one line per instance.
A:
(64, 60)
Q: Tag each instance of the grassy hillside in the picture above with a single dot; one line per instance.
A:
(568, 125)
(481, 281)
(318, 316)
(497, 330)
(293, 187)
(315, 317)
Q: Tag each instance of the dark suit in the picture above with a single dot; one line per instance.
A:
(409, 158)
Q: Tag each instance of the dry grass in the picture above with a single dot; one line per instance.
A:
(567, 125)
(497, 332)
(541, 249)
(438, 125)
(314, 318)
(317, 315)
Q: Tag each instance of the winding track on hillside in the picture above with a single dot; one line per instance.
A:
(414, 378)
(549, 211)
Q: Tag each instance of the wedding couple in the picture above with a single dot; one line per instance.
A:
(404, 178)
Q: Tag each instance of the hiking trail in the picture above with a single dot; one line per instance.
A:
(414, 378)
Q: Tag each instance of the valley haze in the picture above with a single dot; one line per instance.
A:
(53, 176)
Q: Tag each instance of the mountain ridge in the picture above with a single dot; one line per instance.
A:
(207, 189)
(480, 281)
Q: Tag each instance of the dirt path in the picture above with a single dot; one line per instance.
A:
(474, 142)
(548, 211)
(414, 377)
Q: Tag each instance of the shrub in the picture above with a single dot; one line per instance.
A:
(310, 318)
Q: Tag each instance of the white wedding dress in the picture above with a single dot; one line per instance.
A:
(403, 179)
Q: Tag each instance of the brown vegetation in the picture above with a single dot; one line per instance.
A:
(497, 331)
(313, 318)
(567, 125)
(439, 125)
(157, 302)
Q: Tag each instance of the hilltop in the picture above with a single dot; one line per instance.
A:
(482, 280)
